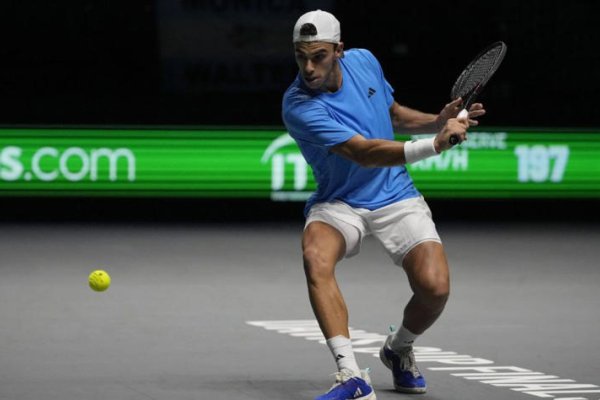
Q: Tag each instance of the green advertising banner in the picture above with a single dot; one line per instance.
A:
(267, 164)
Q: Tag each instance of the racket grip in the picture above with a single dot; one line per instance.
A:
(464, 114)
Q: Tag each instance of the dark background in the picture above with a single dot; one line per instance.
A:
(203, 62)
(103, 62)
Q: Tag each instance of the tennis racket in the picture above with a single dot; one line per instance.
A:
(474, 78)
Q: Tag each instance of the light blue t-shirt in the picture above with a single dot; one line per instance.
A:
(318, 121)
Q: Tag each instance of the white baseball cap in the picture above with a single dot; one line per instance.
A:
(317, 26)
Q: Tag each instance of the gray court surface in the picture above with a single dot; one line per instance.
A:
(174, 324)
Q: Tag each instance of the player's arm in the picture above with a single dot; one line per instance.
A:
(405, 119)
(386, 153)
(408, 120)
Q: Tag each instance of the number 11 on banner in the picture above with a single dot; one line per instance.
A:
(539, 163)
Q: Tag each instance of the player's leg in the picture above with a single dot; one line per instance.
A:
(324, 243)
(428, 274)
(408, 233)
(427, 271)
(322, 247)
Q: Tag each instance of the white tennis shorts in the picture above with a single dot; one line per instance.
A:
(399, 226)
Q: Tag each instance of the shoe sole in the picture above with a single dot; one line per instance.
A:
(400, 389)
(369, 397)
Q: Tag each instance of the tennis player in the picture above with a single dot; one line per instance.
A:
(342, 113)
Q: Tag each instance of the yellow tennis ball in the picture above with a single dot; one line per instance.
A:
(99, 280)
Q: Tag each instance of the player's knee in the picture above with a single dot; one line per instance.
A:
(317, 266)
(435, 291)
(440, 295)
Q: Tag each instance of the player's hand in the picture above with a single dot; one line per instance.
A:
(453, 127)
(452, 109)
(475, 111)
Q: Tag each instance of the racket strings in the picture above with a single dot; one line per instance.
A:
(478, 72)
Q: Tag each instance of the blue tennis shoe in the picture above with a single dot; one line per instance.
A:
(348, 386)
(407, 377)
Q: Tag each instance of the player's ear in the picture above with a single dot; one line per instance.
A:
(339, 50)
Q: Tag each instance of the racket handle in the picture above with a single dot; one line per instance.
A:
(464, 114)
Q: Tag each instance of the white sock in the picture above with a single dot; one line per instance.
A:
(341, 348)
(402, 338)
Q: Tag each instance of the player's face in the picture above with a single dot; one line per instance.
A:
(318, 64)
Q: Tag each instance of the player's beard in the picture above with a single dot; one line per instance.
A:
(329, 81)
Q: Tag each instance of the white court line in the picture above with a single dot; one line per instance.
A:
(460, 365)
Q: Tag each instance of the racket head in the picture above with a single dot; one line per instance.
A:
(477, 73)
